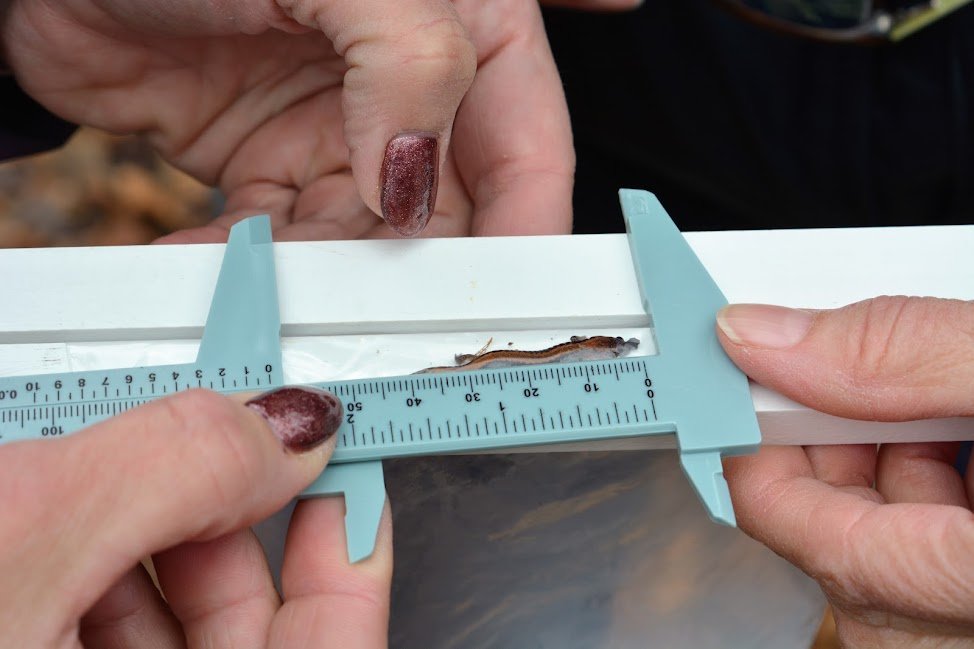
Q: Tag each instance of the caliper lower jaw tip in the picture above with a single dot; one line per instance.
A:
(706, 474)
(363, 486)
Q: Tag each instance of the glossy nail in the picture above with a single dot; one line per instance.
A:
(409, 176)
(301, 417)
(764, 325)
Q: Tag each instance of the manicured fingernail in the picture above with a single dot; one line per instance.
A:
(764, 325)
(301, 417)
(409, 179)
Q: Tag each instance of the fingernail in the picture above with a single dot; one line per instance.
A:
(764, 325)
(301, 417)
(409, 179)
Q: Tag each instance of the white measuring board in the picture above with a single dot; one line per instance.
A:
(444, 285)
(367, 308)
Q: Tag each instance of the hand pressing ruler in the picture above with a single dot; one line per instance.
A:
(689, 388)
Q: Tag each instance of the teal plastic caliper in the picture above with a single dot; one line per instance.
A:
(689, 388)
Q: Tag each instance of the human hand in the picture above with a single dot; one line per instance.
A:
(289, 106)
(181, 479)
(889, 535)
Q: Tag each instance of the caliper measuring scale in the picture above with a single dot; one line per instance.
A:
(689, 388)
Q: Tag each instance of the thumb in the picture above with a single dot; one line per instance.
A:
(410, 63)
(884, 359)
(193, 466)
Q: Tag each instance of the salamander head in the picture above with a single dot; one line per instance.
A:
(623, 347)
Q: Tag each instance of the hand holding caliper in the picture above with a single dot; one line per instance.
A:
(887, 531)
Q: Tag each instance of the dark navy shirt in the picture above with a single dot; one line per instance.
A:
(735, 126)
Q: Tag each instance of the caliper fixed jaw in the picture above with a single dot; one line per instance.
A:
(245, 315)
(704, 395)
(244, 321)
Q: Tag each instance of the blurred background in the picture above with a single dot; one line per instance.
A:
(97, 190)
(104, 190)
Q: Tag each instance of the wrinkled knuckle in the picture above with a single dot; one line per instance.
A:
(841, 577)
(366, 585)
(884, 324)
(221, 447)
(830, 571)
(368, 593)
(198, 410)
(441, 50)
(365, 593)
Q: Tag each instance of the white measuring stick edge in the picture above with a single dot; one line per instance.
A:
(150, 293)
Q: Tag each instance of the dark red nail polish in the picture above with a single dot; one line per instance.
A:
(301, 417)
(409, 176)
